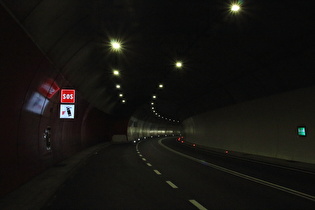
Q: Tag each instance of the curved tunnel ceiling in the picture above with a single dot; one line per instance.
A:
(265, 48)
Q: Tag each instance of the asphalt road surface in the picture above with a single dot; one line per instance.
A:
(162, 174)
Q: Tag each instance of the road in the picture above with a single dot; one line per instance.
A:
(162, 174)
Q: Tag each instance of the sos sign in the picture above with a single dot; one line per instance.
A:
(67, 96)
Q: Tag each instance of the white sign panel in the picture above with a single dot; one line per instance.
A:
(67, 111)
(36, 103)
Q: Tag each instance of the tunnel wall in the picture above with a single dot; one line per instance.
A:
(139, 127)
(264, 127)
(30, 104)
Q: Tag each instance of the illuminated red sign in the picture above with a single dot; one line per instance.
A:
(67, 96)
(49, 88)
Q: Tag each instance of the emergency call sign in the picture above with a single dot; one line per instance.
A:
(67, 96)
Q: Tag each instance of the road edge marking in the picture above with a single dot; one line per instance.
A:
(244, 176)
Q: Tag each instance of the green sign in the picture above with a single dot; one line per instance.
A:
(301, 130)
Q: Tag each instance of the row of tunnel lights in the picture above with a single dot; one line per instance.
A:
(178, 65)
(235, 7)
(116, 47)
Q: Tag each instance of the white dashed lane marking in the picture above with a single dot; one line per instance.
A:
(198, 205)
(157, 172)
(149, 164)
(144, 159)
(171, 184)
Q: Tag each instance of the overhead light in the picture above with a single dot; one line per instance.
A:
(152, 103)
(118, 86)
(121, 95)
(116, 46)
(116, 72)
(123, 101)
(178, 64)
(154, 96)
(235, 8)
(161, 86)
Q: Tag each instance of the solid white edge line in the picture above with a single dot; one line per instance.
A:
(171, 184)
(198, 205)
(157, 172)
(244, 176)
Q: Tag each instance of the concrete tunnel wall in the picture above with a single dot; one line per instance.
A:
(139, 128)
(264, 127)
(29, 105)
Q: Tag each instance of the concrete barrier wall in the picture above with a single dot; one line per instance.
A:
(266, 127)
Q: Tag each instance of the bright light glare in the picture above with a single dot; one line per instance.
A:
(115, 45)
(179, 64)
(116, 72)
(235, 7)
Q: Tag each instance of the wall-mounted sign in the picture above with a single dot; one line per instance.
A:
(67, 96)
(301, 131)
(67, 111)
(49, 88)
(36, 103)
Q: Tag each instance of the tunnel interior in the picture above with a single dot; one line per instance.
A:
(245, 84)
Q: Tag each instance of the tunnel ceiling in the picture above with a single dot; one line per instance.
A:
(265, 48)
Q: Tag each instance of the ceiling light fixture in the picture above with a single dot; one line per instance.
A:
(116, 72)
(116, 46)
(179, 64)
(235, 8)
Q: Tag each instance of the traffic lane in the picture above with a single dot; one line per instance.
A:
(299, 180)
(117, 178)
(215, 189)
